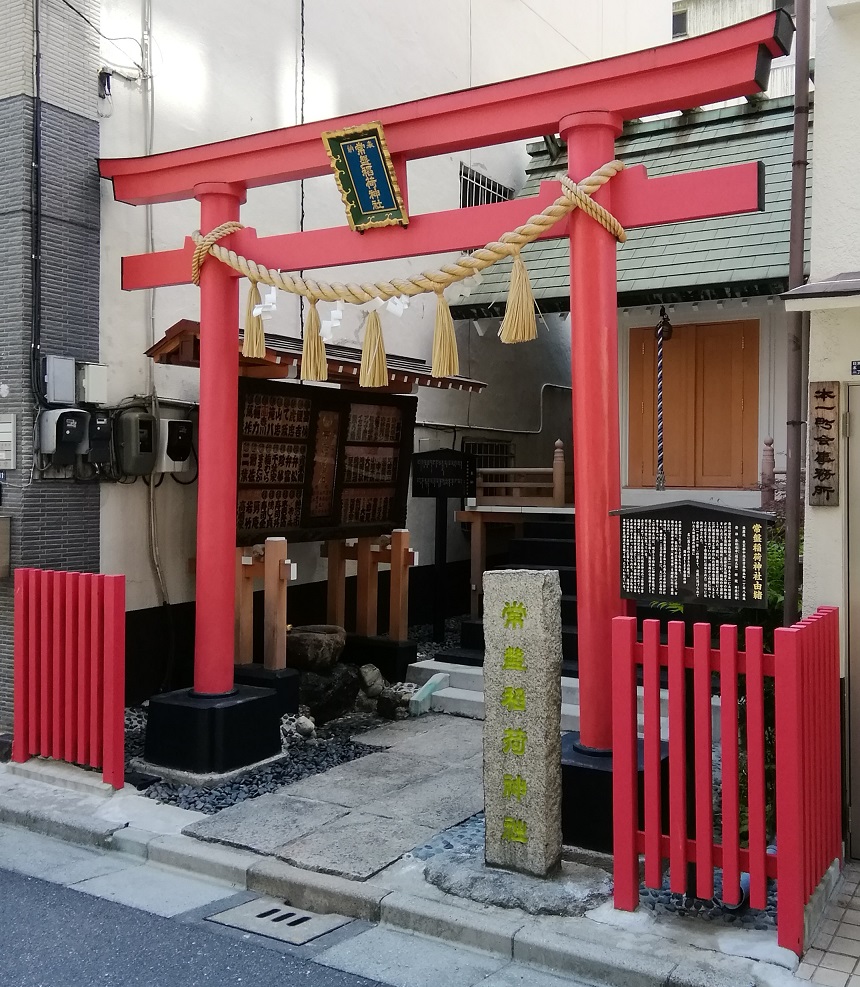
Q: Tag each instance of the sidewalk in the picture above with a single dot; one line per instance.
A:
(355, 840)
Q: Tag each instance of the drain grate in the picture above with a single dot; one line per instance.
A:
(278, 920)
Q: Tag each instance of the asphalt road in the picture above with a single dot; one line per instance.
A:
(52, 936)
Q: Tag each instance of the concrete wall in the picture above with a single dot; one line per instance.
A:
(833, 335)
(220, 78)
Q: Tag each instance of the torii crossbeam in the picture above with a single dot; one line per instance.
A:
(586, 105)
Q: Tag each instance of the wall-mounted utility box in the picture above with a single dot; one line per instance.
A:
(63, 434)
(92, 383)
(5, 542)
(60, 379)
(136, 437)
(7, 442)
(99, 437)
(174, 445)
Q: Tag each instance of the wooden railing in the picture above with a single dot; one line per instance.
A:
(803, 678)
(70, 669)
(539, 486)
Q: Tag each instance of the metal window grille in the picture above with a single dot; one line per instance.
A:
(494, 454)
(478, 190)
(679, 24)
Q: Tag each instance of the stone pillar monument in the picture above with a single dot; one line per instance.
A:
(522, 720)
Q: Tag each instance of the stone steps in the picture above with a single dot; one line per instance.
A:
(464, 696)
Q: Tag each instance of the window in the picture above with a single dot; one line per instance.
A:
(492, 454)
(478, 190)
(679, 23)
(710, 406)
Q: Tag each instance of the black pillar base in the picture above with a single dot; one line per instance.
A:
(285, 682)
(586, 793)
(392, 658)
(212, 734)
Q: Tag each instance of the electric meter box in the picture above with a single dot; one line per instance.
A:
(99, 437)
(63, 434)
(174, 445)
(136, 437)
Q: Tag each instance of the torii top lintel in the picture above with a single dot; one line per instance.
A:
(725, 64)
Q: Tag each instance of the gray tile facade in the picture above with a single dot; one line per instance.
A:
(55, 523)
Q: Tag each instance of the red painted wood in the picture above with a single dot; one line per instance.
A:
(596, 466)
(114, 672)
(636, 201)
(677, 758)
(703, 760)
(58, 665)
(21, 704)
(651, 710)
(789, 701)
(730, 762)
(96, 663)
(834, 752)
(694, 72)
(755, 769)
(34, 659)
(770, 862)
(46, 691)
(70, 645)
(216, 488)
(625, 808)
(820, 775)
(84, 609)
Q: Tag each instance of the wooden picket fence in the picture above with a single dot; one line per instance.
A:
(805, 674)
(70, 669)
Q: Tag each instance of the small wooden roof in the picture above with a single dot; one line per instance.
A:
(180, 347)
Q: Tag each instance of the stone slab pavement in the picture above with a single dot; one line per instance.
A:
(603, 946)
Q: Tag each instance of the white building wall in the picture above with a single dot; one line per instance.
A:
(224, 75)
(833, 335)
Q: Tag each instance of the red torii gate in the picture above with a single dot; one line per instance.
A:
(586, 105)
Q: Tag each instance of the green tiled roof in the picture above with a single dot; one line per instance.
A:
(706, 258)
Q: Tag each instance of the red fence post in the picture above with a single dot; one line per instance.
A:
(730, 763)
(651, 711)
(677, 757)
(789, 786)
(703, 760)
(624, 790)
(114, 680)
(21, 670)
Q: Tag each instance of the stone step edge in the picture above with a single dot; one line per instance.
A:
(518, 938)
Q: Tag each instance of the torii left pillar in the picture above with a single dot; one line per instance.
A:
(216, 726)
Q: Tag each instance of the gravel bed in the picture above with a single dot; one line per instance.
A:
(465, 837)
(422, 634)
(331, 746)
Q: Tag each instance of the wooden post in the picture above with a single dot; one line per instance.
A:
(478, 563)
(768, 476)
(365, 610)
(244, 643)
(399, 598)
(558, 474)
(275, 604)
(336, 592)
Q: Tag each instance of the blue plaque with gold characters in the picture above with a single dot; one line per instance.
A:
(365, 176)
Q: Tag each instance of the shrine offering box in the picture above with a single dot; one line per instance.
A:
(317, 462)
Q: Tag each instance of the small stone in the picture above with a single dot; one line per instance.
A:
(304, 726)
(372, 682)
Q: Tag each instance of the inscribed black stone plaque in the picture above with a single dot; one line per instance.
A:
(318, 463)
(688, 552)
(443, 473)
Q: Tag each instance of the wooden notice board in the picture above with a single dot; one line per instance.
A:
(317, 463)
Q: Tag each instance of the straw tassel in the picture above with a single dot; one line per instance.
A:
(374, 372)
(445, 362)
(254, 342)
(314, 362)
(519, 324)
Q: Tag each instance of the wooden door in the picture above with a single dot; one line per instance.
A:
(710, 406)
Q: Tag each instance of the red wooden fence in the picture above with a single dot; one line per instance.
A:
(70, 669)
(805, 674)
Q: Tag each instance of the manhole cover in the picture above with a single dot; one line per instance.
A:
(277, 920)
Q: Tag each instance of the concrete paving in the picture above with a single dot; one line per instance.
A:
(603, 946)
